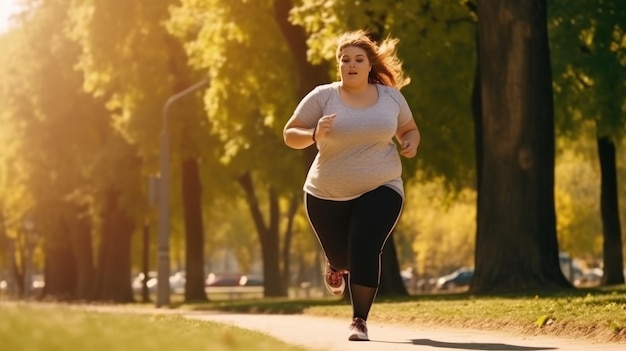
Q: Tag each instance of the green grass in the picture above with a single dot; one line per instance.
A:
(45, 327)
(596, 314)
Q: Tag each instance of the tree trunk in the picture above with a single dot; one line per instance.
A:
(516, 245)
(286, 254)
(309, 75)
(194, 232)
(609, 207)
(268, 236)
(79, 225)
(60, 263)
(7, 250)
(191, 183)
(114, 264)
(59, 267)
(477, 111)
(391, 283)
(145, 263)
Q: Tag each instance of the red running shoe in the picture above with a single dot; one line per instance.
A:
(335, 284)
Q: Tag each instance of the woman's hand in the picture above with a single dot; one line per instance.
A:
(409, 138)
(324, 125)
(408, 148)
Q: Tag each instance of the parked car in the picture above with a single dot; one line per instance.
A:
(460, 278)
(251, 280)
(233, 279)
(177, 282)
(137, 282)
(38, 284)
(223, 279)
(589, 277)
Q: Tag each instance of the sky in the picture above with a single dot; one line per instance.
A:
(7, 7)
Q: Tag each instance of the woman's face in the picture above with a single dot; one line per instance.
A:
(354, 65)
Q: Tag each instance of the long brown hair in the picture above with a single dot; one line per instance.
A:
(386, 66)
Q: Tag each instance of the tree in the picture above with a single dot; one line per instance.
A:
(516, 243)
(56, 148)
(135, 95)
(219, 35)
(590, 82)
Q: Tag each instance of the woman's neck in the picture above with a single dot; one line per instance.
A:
(357, 90)
(360, 96)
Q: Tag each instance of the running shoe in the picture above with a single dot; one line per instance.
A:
(335, 284)
(358, 330)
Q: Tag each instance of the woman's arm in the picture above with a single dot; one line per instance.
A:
(297, 134)
(409, 138)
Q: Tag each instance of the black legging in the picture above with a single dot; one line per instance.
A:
(353, 233)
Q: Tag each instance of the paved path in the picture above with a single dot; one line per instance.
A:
(328, 334)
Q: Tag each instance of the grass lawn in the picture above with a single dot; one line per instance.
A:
(48, 327)
(597, 314)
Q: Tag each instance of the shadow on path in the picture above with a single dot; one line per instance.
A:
(472, 345)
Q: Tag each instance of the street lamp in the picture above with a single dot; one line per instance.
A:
(163, 255)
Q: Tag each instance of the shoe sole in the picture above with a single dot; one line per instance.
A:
(336, 293)
(356, 338)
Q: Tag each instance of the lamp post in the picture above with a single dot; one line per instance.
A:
(163, 254)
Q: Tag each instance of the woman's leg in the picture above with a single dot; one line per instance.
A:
(330, 221)
(374, 216)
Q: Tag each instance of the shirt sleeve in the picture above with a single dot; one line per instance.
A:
(405, 115)
(310, 108)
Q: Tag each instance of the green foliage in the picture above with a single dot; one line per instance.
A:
(439, 228)
(13, 194)
(577, 198)
(58, 131)
(128, 59)
(239, 45)
(231, 230)
(589, 49)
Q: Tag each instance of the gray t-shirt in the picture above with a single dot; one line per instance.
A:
(358, 154)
